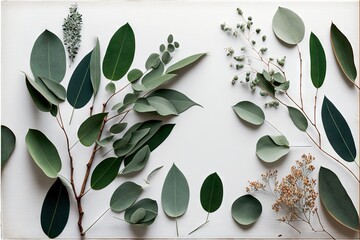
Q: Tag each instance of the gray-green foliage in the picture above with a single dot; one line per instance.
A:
(124, 196)
(8, 141)
(72, 31)
(272, 148)
(142, 213)
(246, 210)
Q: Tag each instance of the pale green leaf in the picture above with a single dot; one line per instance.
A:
(124, 196)
(54, 87)
(118, 128)
(272, 148)
(298, 118)
(138, 162)
(95, 71)
(163, 107)
(185, 62)
(249, 112)
(110, 87)
(246, 210)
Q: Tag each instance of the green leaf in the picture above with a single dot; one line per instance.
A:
(43, 152)
(122, 149)
(178, 100)
(48, 57)
(54, 110)
(337, 131)
(184, 62)
(134, 75)
(283, 87)
(272, 148)
(41, 89)
(54, 87)
(40, 101)
(152, 173)
(159, 136)
(246, 210)
(89, 130)
(153, 61)
(55, 210)
(343, 53)
(249, 112)
(143, 106)
(138, 215)
(80, 90)
(119, 53)
(265, 85)
(153, 83)
(124, 196)
(95, 71)
(336, 200)
(105, 141)
(170, 38)
(138, 162)
(105, 172)
(175, 193)
(162, 106)
(298, 118)
(8, 141)
(151, 211)
(110, 87)
(154, 73)
(166, 57)
(211, 193)
(118, 128)
(288, 26)
(278, 77)
(317, 61)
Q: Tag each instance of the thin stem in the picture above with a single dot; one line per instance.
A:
(207, 217)
(315, 103)
(199, 227)
(75, 144)
(301, 96)
(273, 127)
(119, 114)
(322, 226)
(96, 220)
(116, 93)
(86, 191)
(293, 227)
(177, 227)
(72, 115)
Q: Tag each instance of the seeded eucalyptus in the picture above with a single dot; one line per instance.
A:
(72, 32)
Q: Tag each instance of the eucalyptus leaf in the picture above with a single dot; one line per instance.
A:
(43, 152)
(124, 196)
(159, 136)
(265, 85)
(135, 137)
(55, 210)
(130, 98)
(110, 87)
(134, 75)
(8, 141)
(288, 26)
(40, 101)
(153, 61)
(48, 57)
(138, 215)
(119, 53)
(154, 73)
(272, 148)
(143, 106)
(54, 87)
(298, 118)
(317, 61)
(152, 173)
(246, 210)
(166, 57)
(151, 211)
(89, 130)
(338, 131)
(249, 112)
(278, 77)
(138, 162)
(211, 193)
(41, 90)
(163, 107)
(105, 141)
(118, 128)
(157, 81)
(105, 172)
(283, 87)
(184, 62)
(95, 71)
(336, 200)
(54, 110)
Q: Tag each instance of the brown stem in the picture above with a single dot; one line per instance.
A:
(301, 97)
(322, 226)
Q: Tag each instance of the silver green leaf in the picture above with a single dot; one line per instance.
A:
(272, 148)
(298, 118)
(124, 196)
(249, 112)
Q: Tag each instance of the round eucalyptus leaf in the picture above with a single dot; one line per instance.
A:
(272, 148)
(134, 75)
(134, 214)
(166, 57)
(249, 112)
(153, 61)
(246, 210)
(298, 118)
(110, 87)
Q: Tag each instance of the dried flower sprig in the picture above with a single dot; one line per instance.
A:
(295, 194)
(71, 29)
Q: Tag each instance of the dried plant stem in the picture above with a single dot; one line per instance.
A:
(273, 127)
(301, 95)
(206, 221)
(322, 226)
(288, 223)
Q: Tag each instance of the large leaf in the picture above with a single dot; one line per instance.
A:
(317, 61)
(8, 141)
(337, 131)
(80, 90)
(153, 82)
(138, 162)
(298, 118)
(48, 57)
(336, 200)
(288, 26)
(41, 90)
(343, 52)
(89, 130)
(249, 112)
(163, 107)
(105, 172)
(142, 213)
(211, 193)
(265, 85)
(185, 62)
(119, 53)
(95, 71)
(55, 210)
(40, 101)
(246, 210)
(124, 196)
(43, 152)
(175, 193)
(54, 87)
(160, 136)
(272, 148)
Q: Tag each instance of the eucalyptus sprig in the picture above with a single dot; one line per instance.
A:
(72, 31)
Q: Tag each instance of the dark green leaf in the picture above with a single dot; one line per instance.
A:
(249, 112)
(298, 118)
(336, 200)
(171, 48)
(40, 101)
(153, 61)
(8, 141)
(118, 128)
(151, 212)
(43, 152)
(211, 193)
(159, 136)
(54, 87)
(272, 148)
(110, 87)
(124, 196)
(119, 53)
(246, 210)
(185, 62)
(95, 71)
(138, 162)
(89, 130)
(337, 131)
(54, 110)
(134, 75)
(170, 38)
(41, 90)
(317, 61)
(55, 210)
(265, 85)
(105, 141)
(105, 172)
(166, 57)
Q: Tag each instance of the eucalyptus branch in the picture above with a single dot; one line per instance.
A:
(112, 95)
(301, 95)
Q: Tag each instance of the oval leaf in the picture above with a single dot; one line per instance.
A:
(138, 215)
(185, 62)
(249, 112)
(124, 196)
(43, 152)
(246, 210)
(138, 162)
(119, 53)
(105, 172)
(55, 210)
(110, 87)
(271, 148)
(42, 90)
(159, 137)
(317, 61)
(8, 141)
(175, 193)
(343, 53)
(134, 75)
(151, 212)
(163, 107)
(48, 57)
(211, 193)
(95, 71)
(40, 101)
(89, 130)
(153, 61)
(288, 26)
(336, 200)
(298, 118)
(152, 83)
(56, 88)
(265, 85)
(337, 131)
(118, 128)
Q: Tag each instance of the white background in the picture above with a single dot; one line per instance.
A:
(203, 141)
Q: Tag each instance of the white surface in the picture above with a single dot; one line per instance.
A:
(204, 140)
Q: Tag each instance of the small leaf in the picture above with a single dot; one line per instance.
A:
(157, 81)
(135, 137)
(246, 210)
(175, 193)
(283, 87)
(124, 196)
(110, 87)
(272, 148)
(55, 210)
(95, 71)
(105, 172)
(343, 53)
(211, 193)
(105, 141)
(138, 162)
(43, 152)
(41, 89)
(89, 130)
(298, 118)
(317, 61)
(118, 128)
(166, 57)
(8, 141)
(265, 85)
(170, 38)
(151, 212)
(119, 53)
(56, 88)
(162, 106)
(288, 26)
(134, 75)
(152, 173)
(138, 215)
(48, 57)
(249, 112)
(54, 110)
(185, 62)
(154, 73)
(278, 77)
(337, 131)
(336, 200)
(153, 61)
(40, 101)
